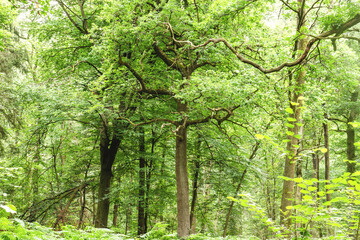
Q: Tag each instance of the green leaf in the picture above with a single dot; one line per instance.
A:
(290, 119)
(298, 180)
(259, 136)
(289, 110)
(307, 197)
(321, 193)
(323, 150)
(302, 185)
(297, 136)
(289, 133)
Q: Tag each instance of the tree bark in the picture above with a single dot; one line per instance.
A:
(350, 133)
(142, 183)
(108, 151)
(182, 181)
(327, 154)
(195, 186)
(115, 214)
(296, 105)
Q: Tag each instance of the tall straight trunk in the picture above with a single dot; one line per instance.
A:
(327, 155)
(296, 105)
(316, 163)
(350, 133)
(83, 199)
(108, 151)
(195, 186)
(115, 213)
(194, 198)
(103, 207)
(182, 181)
(148, 178)
(142, 183)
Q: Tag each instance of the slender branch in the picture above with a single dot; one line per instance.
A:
(89, 63)
(63, 6)
(199, 65)
(312, 7)
(142, 81)
(288, 5)
(337, 119)
(84, 19)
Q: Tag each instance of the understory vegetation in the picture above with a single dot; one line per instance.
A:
(178, 119)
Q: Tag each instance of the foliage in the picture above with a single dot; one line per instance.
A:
(74, 74)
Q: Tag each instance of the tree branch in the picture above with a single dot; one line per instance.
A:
(287, 4)
(142, 81)
(352, 22)
(63, 6)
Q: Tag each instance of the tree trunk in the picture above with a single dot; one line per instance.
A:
(194, 198)
(142, 183)
(350, 133)
(296, 106)
(108, 150)
(182, 181)
(103, 200)
(195, 186)
(148, 178)
(115, 214)
(327, 155)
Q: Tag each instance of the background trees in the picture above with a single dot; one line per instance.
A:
(115, 111)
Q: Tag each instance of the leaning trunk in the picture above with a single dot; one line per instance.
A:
(182, 182)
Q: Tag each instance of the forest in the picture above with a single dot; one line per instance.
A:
(179, 119)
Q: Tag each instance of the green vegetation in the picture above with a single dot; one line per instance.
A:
(177, 119)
